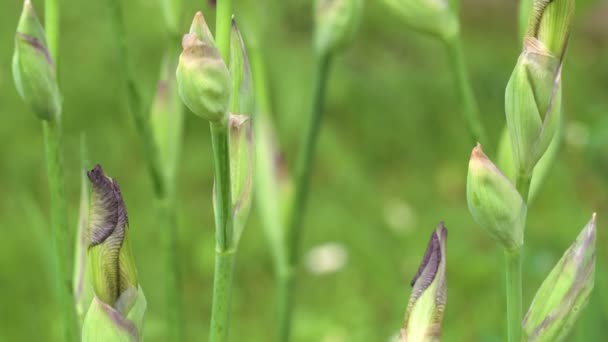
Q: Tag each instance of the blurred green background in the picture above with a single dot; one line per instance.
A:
(391, 163)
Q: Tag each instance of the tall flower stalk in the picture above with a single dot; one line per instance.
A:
(159, 125)
(34, 72)
(439, 18)
(214, 81)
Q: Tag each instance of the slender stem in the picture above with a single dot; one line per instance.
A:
(463, 83)
(51, 27)
(63, 280)
(302, 180)
(166, 209)
(225, 249)
(222, 293)
(514, 295)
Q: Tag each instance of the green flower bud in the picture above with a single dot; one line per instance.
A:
(118, 308)
(167, 118)
(105, 323)
(202, 76)
(241, 140)
(563, 294)
(428, 16)
(111, 260)
(33, 67)
(241, 169)
(494, 202)
(429, 293)
(336, 23)
(550, 22)
(242, 101)
(533, 104)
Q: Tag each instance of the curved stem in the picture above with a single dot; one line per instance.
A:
(463, 83)
(302, 180)
(63, 280)
(514, 295)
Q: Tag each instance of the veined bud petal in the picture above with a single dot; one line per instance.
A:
(106, 323)
(563, 294)
(428, 16)
(533, 104)
(111, 260)
(202, 76)
(550, 22)
(429, 292)
(336, 23)
(241, 169)
(33, 67)
(494, 202)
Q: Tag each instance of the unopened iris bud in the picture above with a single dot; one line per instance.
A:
(429, 16)
(550, 22)
(563, 294)
(202, 76)
(336, 23)
(429, 293)
(116, 313)
(533, 104)
(33, 67)
(242, 100)
(494, 202)
(241, 169)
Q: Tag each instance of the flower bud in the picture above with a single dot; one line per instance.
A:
(494, 202)
(242, 100)
(202, 76)
(117, 311)
(533, 104)
(429, 293)
(336, 23)
(33, 67)
(563, 294)
(550, 22)
(428, 16)
(112, 266)
(241, 169)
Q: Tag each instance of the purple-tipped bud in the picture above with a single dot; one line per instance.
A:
(429, 294)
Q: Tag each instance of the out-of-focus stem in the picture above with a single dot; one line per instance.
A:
(522, 183)
(302, 180)
(63, 280)
(222, 293)
(514, 295)
(465, 90)
(51, 27)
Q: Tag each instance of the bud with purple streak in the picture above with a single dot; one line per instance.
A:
(117, 311)
(429, 294)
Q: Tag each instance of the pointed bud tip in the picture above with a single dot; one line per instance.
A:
(477, 152)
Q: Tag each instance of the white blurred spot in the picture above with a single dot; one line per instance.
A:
(577, 134)
(336, 335)
(326, 258)
(399, 216)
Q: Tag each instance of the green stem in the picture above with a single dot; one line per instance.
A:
(463, 83)
(51, 27)
(222, 293)
(514, 295)
(302, 180)
(225, 249)
(285, 300)
(166, 209)
(63, 280)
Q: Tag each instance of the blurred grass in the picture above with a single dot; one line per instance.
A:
(392, 162)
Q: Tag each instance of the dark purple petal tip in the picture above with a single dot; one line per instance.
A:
(107, 205)
(432, 257)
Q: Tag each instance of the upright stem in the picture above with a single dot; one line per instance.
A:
(222, 293)
(522, 183)
(463, 83)
(224, 250)
(63, 280)
(51, 27)
(302, 180)
(514, 295)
